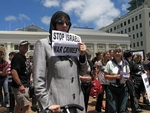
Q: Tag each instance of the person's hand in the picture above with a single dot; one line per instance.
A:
(118, 77)
(55, 108)
(82, 48)
(86, 78)
(146, 72)
(22, 89)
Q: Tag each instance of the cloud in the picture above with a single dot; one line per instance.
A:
(10, 18)
(73, 5)
(125, 5)
(99, 12)
(50, 3)
(46, 20)
(23, 16)
(19, 17)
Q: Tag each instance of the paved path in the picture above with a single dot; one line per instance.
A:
(91, 107)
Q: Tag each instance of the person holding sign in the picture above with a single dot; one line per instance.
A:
(117, 71)
(137, 69)
(56, 78)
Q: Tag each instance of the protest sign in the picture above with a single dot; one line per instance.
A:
(65, 44)
(147, 85)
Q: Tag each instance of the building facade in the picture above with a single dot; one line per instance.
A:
(136, 24)
(94, 39)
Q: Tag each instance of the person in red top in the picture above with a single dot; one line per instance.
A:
(11, 95)
(3, 80)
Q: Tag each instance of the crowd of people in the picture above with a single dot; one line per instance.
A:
(120, 75)
(62, 80)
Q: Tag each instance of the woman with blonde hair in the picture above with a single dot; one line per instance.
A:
(137, 69)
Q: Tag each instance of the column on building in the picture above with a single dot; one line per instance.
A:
(107, 46)
(95, 48)
(128, 46)
(8, 50)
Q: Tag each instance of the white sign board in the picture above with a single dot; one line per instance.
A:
(147, 85)
(65, 44)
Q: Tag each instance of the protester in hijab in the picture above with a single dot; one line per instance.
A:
(56, 78)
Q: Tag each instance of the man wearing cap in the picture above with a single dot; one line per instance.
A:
(21, 78)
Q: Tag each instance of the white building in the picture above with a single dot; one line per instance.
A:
(94, 39)
(136, 24)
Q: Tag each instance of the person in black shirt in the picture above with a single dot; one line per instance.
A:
(134, 102)
(21, 78)
(137, 69)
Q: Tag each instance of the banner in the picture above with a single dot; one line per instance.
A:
(147, 85)
(65, 44)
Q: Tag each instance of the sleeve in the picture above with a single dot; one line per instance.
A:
(39, 75)
(83, 65)
(107, 68)
(128, 69)
(15, 63)
(131, 68)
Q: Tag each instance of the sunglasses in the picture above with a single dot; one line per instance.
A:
(60, 22)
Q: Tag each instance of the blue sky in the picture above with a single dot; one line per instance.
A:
(84, 13)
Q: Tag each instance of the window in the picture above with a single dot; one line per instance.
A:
(137, 44)
(136, 18)
(140, 16)
(149, 14)
(136, 26)
(132, 28)
(16, 47)
(129, 29)
(125, 31)
(141, 34)
(141, 43)
(111, 30)
(137, 35)
(101, 47)
(115, 28)
(112, 46)
(132, 19)
(133, 36)
(140, 25)
(121, 25)
(124, 23)
(89, 46)
(31, 47)
(128, 21)
(121, 32)
(133, 44)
